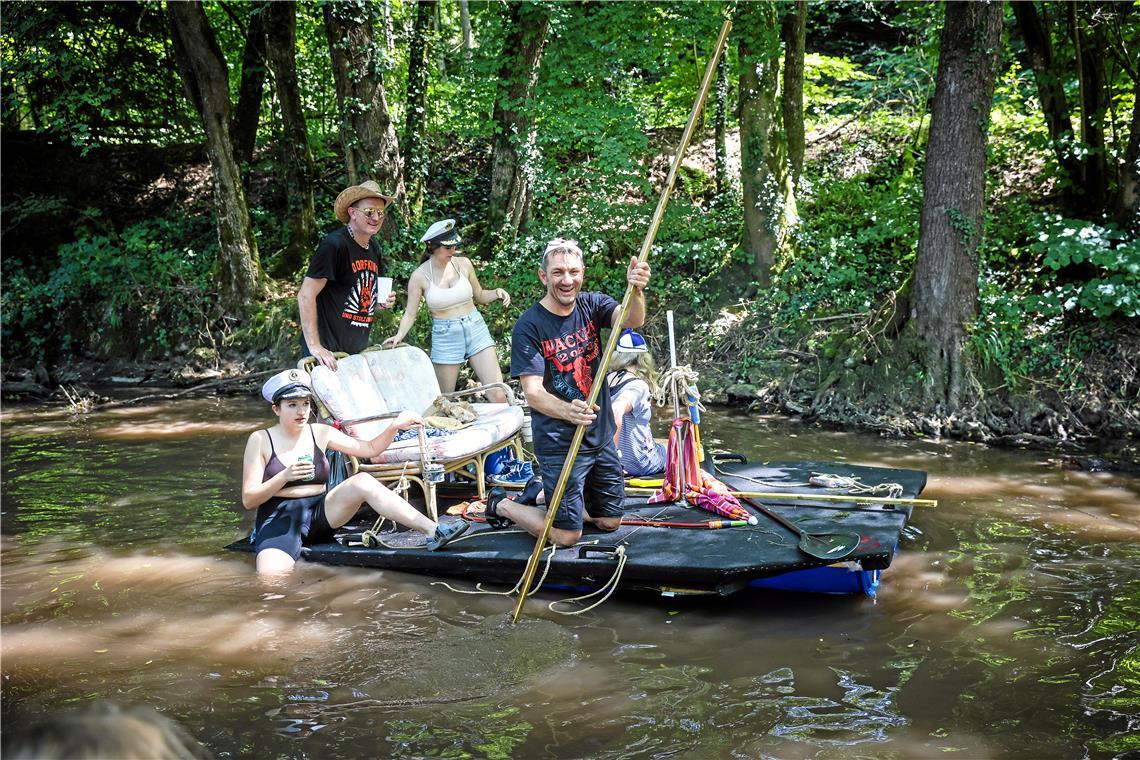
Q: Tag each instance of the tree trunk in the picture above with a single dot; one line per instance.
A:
(203, 71)
(297, 161)
(1091, 45)
(794, 30)
(758, 49)
(720, 126)
(1050, 91)
(371, 150)
(247, 115)
(512, 149)
(415, 120)
(946, 270)
(1127, 201)
(389, 27)
(465, 23)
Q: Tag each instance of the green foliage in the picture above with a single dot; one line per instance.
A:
(1044, 305)
(1112, 257)
(91, 72)
(127, 293)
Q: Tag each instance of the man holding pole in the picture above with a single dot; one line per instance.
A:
(556, 350)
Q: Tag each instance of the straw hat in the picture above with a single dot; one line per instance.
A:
(351, 195)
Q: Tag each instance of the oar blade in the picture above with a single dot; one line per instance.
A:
(832, 546)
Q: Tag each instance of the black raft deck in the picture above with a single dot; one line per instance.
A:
(674, 560)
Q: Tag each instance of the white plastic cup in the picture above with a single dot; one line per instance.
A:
(383, 289)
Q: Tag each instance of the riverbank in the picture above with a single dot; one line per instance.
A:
(1095, 430)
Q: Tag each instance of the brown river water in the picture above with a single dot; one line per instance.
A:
(1006, 626)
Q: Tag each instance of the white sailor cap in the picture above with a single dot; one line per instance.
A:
(442, 233)
(291, 383)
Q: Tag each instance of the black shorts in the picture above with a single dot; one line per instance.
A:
(596, 484)
(287, 524)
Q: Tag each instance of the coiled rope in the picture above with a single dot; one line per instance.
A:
(686, 378)
(607, 588)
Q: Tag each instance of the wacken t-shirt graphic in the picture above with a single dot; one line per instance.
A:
(566, 352)
(569, 358)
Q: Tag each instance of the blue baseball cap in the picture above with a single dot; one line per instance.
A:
(632, 342)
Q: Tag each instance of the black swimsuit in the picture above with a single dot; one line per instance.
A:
(288, 523)
(320, 465)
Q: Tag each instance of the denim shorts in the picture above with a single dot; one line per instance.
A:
(596, 485)
(454, 341)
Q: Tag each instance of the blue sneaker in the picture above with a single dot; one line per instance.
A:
(514, 472)
(446, 533)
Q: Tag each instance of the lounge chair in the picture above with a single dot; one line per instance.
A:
(370, 388)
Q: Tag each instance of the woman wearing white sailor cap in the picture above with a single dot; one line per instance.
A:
(285, 474)
(451, 289)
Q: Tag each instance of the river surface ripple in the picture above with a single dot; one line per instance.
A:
(1006, 627)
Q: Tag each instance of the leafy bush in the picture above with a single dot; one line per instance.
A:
(1113, 257)
(131, 292)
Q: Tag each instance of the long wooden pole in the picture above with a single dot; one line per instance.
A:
(781, 496)
(599, 379)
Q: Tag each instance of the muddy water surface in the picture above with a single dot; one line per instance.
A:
(1006, 627)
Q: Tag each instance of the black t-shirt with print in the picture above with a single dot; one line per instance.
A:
(567, 352)
(347, 304)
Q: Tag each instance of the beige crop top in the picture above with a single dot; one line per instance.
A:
(439, 298)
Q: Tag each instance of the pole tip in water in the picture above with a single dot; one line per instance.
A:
(753, 520)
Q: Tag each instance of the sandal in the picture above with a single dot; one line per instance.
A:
(491, 510)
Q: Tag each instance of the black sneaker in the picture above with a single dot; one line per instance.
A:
(491, 511)
(445, 533)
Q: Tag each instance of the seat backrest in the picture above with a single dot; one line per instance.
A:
(405, 377)
(351, 393)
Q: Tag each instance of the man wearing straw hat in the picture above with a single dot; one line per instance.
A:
(556, 350)
(337, 299)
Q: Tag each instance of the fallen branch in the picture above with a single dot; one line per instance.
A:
(181, 393)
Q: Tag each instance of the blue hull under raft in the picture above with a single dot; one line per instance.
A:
(654, 554)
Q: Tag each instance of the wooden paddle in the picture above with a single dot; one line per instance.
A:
(832, 546)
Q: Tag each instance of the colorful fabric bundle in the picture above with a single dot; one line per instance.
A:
(701, 489)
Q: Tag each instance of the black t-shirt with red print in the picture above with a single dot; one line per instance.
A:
(346, 306)
(567, 352)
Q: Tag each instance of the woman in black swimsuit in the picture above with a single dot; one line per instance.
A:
(285, 473)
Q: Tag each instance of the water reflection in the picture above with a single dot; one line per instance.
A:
(1005, 627)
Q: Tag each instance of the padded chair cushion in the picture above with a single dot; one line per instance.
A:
(379, 382)
(496, 423)
(350, 394)
(405, 376)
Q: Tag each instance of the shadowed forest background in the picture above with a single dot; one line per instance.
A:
(917, 218)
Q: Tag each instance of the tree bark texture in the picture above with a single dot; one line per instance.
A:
(1127, 200)
(513, 147)
(247, 115)
(1050, 90)
(371, 149)
(1091, 44)
(758, 58)
(415, 120)
(465, 23)
(720, 126)
(946, 270)
(297, 160)
(793, 31)
(203, 70)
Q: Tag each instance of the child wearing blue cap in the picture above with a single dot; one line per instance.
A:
(633, 386)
